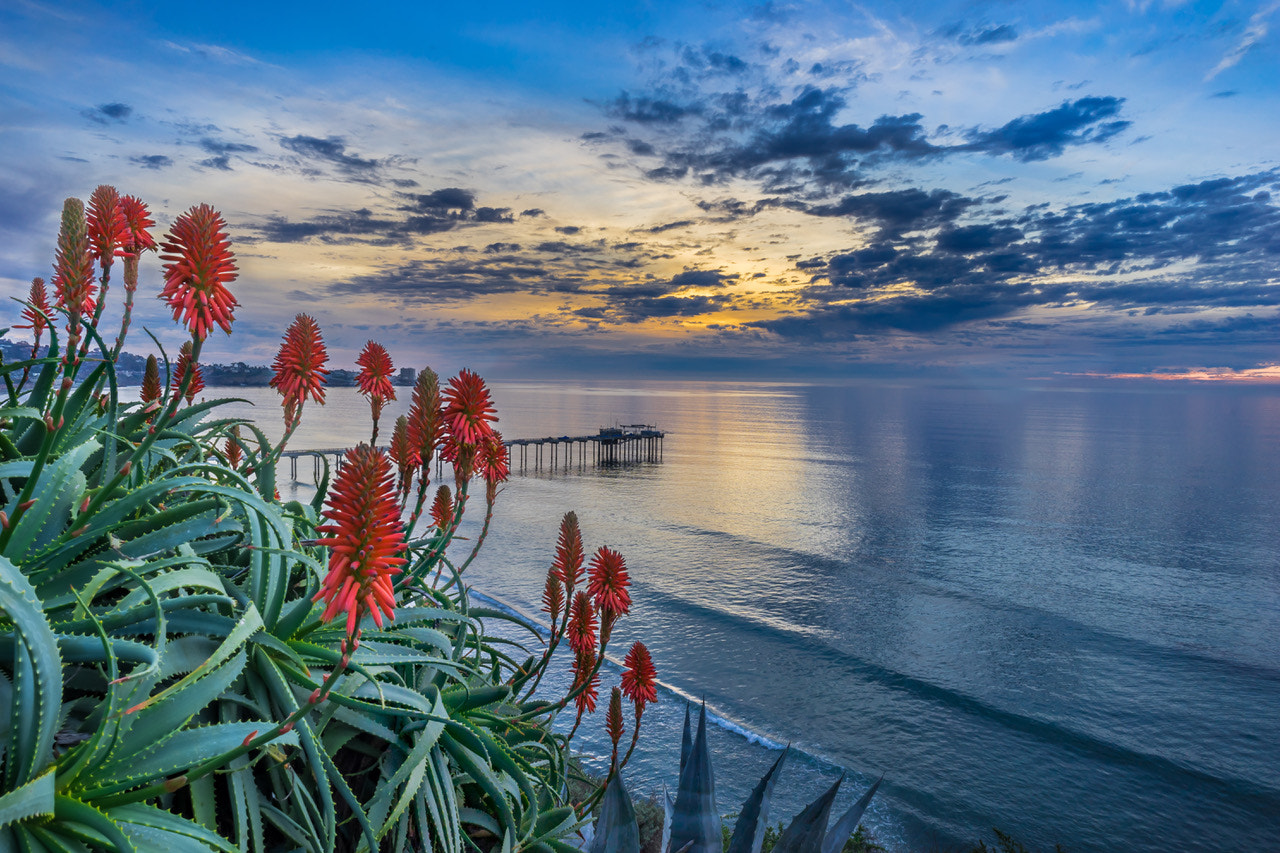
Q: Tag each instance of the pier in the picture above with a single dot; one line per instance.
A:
(619, 445)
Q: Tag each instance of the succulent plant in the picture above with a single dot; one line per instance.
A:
(693, 820)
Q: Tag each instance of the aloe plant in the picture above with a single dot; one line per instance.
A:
(693, 820)
(170, 680)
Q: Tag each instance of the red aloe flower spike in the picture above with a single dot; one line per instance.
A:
(234, 452)
(37, 310)
(185, 364)
(108, 229)
(569, 554)
(468, 408)
(582, 624)
(299, 366)
(583, 665)
(553, 597)
(494, 464)
(199, 264)
(73, 264)
(374, 379)
(424, 415)
(613, 720)
(639, 678)
(403, 454)
(608, 583)
(365, 539)
(151, 388)
(137, 220)
(442, 508)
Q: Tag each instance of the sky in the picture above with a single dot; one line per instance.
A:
(778, 190)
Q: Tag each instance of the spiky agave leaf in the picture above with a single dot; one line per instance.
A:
(848, 822)
(748, 832)
(616, 828)
(686, 741)
(696, 821)
(806, 832)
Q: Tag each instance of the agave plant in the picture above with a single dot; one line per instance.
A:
(693, 820)
(189, 663)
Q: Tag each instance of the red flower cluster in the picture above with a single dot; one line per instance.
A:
(73, 263)
(639, 678)
(108, 227)
(374, 378)
(186, 365)
(299, 365)
(403, 453)
(582, 624)
(553, 597)
(199, 264)
(365, 539)
(468, 409)
(608, 583)
(584, 664)
(613, 720)
(137, 220)
(569, 555)
(36, 310)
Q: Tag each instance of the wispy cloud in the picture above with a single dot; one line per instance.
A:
(1254, 32)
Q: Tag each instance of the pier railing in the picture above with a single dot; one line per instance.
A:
(620, 445)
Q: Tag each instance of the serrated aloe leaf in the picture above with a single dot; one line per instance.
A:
(37, 680)
(848, 822)
(668, 809)
(616, 830)
(748, 832)
(57, 484)
(169, 828)
(411, 775)
(806, 832)
(696, 820)
(34, 799)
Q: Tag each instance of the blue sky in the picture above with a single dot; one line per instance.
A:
(769, 190)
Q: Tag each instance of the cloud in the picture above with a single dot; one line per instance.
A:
(1255, 32)
(1047, 134)
(114, 113)
(152, 161)
(422, 214)
(428, 280)
(975, 36)
(331, 149)
(1209, 245)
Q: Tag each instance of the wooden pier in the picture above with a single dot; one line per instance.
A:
(620, 445)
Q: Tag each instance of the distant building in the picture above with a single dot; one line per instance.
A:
(407, 376)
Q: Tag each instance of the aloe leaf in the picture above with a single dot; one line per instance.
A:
(33, 799)
(848, 822)
(686, 740)
(166, 828)
(411, 774)
(69, 809)
(37, 680)
(56, 485)
(616, 830)
(748, 833)
(696, 820)
(806, 832)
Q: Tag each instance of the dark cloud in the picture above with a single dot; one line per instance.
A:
(452, 280)
(897, 212)
(498, 248)
(637, 308)
(1213, 244)
(647, 110)
(108, 113)
(569, 230)
(219, 147)
(423, 213)
(331, 149)
(533, 211)
(152, 161)
(670, 226)
(222, 163)
(1044, 135)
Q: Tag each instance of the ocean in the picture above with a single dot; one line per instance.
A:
(1053, 611)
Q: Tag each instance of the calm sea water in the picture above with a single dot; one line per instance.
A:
(1056, 612)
